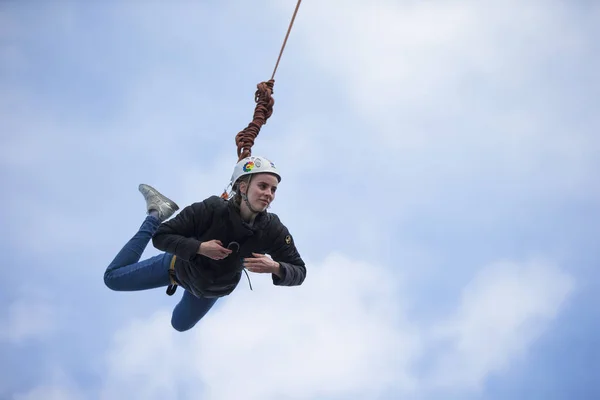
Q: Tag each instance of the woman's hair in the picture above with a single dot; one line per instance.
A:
(237, 196)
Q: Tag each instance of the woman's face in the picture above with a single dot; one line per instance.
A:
(261, 192)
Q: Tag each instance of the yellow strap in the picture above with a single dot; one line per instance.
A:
(172, 268)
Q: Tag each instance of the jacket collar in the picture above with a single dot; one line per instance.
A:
(259, 221)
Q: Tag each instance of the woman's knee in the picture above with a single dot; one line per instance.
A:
(109, 281)
(189, 311)
(181, 326)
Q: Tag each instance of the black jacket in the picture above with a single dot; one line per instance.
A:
(217, 218)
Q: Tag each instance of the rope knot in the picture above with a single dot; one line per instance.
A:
(263, 110)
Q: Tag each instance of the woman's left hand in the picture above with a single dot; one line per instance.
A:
(262, 264)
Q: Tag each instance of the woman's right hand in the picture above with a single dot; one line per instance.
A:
(213, 249)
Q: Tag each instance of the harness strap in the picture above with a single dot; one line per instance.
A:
(173, 286)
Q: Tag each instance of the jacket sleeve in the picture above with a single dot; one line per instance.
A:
(178, 235)
(284, 251)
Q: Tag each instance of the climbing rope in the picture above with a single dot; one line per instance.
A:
(264, 104)
(286, 38)
(263, 110)
(263, 97)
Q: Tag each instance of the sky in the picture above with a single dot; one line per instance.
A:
(439, 163)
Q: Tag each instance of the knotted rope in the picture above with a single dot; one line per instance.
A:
(263, 110)
(264, 104)
(263, 97)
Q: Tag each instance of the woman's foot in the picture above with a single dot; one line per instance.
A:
(157, 204)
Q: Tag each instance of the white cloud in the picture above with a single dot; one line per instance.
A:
(452, 93)
(29, 319)
(147, 359)
(389, 53)
(344, 333)
(58, 386)
(50, 393)
(503, 310)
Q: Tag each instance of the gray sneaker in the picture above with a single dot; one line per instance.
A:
(156, 201)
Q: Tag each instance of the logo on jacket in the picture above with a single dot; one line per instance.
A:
(288, 239)
(249, 166)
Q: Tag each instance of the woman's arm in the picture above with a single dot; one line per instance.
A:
(292, 270)
(179, 235)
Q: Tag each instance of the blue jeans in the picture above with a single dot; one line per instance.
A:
(127, 273)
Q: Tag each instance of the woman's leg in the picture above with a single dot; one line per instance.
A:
(190, 310)
(127, 273)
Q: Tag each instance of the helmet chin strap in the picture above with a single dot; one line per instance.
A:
(245, 197)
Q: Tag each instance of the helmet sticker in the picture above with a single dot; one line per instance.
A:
(248, 166)
(257, 163)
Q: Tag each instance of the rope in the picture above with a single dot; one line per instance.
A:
(286, 38)
(263, 97)
(264, 104)
(263, 110)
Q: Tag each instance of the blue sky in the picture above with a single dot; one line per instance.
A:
(439, 177)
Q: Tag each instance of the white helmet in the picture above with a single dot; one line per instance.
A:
(253, 165)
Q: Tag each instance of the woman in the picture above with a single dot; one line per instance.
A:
(208, 244)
